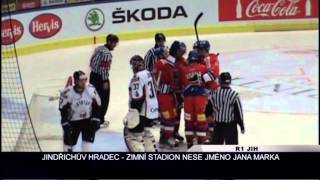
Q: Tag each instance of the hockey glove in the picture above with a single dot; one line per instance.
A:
(195, 80)
(155, 122)
(66, 127)
(67, 130)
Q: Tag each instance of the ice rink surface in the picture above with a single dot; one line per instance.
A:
(276, 74)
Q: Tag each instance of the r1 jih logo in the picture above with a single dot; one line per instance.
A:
(94, 19)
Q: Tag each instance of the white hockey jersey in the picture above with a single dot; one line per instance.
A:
(142, 86)
(80, 104)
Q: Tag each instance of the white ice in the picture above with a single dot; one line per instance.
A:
(273, 115)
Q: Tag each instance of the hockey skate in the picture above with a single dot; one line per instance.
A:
(179, 137)
(194, 141)
(168, 143)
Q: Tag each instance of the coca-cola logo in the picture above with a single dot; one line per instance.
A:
(45, 26)
(267, 9)
(11, 32)
(279, 8)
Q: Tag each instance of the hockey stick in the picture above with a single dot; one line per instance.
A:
(196, 24)
(197, 35)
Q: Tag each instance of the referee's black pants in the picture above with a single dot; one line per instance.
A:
(225, 133)
(97, 82)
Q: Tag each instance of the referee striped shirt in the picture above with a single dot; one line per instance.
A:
(100, 62)
(225, 106)
(150, 59)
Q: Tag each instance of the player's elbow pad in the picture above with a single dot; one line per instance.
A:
(209, 76)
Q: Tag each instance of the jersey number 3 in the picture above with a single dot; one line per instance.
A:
(151, 90)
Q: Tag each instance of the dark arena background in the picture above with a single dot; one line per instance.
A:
(270, 47)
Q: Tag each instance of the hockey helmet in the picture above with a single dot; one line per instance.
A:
(175, 46)
(204, 44)
(193, 57)
(79, 75)
(161, 52)
(196, 45)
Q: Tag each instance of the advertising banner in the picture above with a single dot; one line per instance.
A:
(95, 19)
(8, 6)
(45, 26)
(51, 2)
(11, 31)
(102, 18)
(77, 1)
(28, 4)
(234, 10)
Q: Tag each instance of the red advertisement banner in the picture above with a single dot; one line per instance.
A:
(45, 25)
(11, 31)
(27, 4)
(233, 10)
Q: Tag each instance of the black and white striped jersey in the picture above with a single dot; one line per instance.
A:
(150, 59)
(100, 62)
(225, 106)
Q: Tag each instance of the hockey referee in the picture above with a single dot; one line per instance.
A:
(150, 58)
(100, 64)
(225, 109)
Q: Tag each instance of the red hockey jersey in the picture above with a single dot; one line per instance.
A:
(179, 66)
(192, 80)
(212, 63)
(165, 75)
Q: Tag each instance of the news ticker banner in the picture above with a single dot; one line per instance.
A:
(196, 153)
(160, 165)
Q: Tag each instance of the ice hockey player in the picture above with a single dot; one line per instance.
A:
(79, 106)
(177, 50)
(143, 109)
(100, 64)
(161, 53)
(164, 76)
(212, 63)
(195, 76)
(151, 57)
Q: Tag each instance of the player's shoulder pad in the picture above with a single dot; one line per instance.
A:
(65, 92)
(135, 78)
(146, 74)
